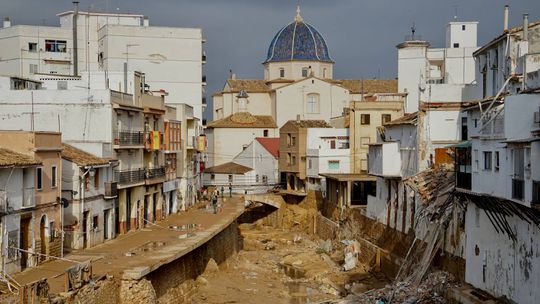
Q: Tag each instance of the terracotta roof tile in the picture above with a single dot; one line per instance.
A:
(228, 168)
(244, 120)
(80, 157)
(357, 86)
(271, 144)
(249, 85)
(310, 123)
(10, 158)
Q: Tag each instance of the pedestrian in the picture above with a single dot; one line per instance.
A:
(214, 201)
(222, 193)
(230, 190)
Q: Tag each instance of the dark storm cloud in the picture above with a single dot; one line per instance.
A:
(361, 34)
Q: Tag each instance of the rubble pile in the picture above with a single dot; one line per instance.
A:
(431, 290)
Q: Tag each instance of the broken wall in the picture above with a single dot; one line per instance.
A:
(497, 264)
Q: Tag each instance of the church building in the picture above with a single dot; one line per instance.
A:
(298, 84)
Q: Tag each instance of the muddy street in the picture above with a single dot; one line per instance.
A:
(281, 266)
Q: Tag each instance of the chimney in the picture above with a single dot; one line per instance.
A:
(75, 38)
(146, 22)
(7, 22)
(525, 27)
(506, 10)
(233, 76)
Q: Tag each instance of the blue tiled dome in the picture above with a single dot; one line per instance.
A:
(298, 41)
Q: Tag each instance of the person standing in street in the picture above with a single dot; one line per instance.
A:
(222, 193)
(230, 190)
(215, 200)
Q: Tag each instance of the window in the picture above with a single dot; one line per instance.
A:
(464, 128)
(53, 177)
(456, 45)
(230, 178)
(293, 160)
(293, 141)
(476, 123)
(95, 225)
(496, 160)
(305, 72)
(476, 161)
(33, 68)
(289, 139)
(257, 178)
(62, 85)
(32, 47)
(265, 133)
(39, 178)
(313, 103)
(52, 232)
(244, 147)
(212, 177)
(289, 159)
(96, 179)
(386, 118)
(324, 73)
(282, 72)
(463, 27)
(332, 144)
(488, 160)
(265, 179)
(364, 119)
(56, 46)
(344, 145)
(310, 165)
(333, 165)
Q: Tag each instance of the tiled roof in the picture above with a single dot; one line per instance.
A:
(408, 119)
(249, 85)
(503, 35)
(310, 123)
(244, 120)
(10, 158)
(80, 157)
(357, 86)
(271, 144)
(228, 168)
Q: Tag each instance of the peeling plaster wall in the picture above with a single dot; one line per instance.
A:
(496, 264)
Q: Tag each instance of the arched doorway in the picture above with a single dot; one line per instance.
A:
(43, 236)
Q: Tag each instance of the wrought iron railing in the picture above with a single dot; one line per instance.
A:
(129, 176)
(155, 173)
(129, 138)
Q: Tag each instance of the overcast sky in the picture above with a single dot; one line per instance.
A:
(361, 35)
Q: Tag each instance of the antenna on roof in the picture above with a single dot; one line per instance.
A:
(413, 30)
(455, 12)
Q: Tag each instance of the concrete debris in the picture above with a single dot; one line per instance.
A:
(201, 281)
(429, 291)
(351, 251)
(325, 246)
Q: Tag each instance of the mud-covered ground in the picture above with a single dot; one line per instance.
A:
(281, 266)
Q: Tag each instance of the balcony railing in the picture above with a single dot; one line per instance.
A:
(133, 176)
(518, 186)
(155, 173)
(129, 138)
(29, 198)
(122, 98)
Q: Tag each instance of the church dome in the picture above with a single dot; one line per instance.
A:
(298, 41)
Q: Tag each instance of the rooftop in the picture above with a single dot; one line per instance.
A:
(80, 157)
(407, 119)
(228, 168)
(271, 144)
(10, 158)
(309, 123)
(244, 120)
(367, 86)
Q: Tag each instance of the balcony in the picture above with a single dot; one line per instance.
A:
(153, 140)
(155, 173)
(128, 177)
(111, 190)
(203, 58)
(384, 160)
(129, 139)
(518, 188)
(204, 80)
(29, 198)
(121, 98)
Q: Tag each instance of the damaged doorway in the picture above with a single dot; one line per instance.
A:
(25, 238)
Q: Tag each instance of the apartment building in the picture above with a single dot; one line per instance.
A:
(17, 205)
(89, 195)
(91, 42)
(172, 148)
(46, 223)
